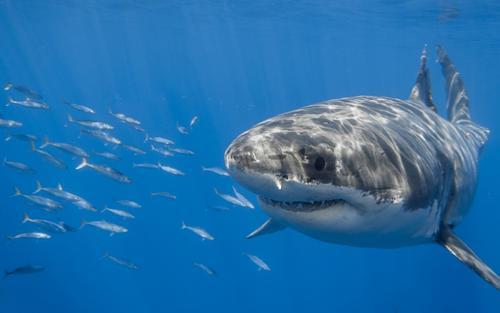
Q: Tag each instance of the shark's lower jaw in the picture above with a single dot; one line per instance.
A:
(301, 206)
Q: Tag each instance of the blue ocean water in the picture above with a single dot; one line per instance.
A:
(232, 64)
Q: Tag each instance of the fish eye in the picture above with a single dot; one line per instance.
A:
(319, 164)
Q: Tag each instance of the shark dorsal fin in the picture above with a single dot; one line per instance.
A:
(421, 91)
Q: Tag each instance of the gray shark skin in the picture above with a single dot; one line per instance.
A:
(368, 171)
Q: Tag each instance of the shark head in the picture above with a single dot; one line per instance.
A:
(330, 170)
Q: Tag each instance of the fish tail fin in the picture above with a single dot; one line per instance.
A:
(105, 255)
(9, 101)
(5, 274)
(70, 118)
(105, 209)
(8, 138)
(82, 224)
(146, 137)
(26, 218)
(33, 148)
(83, 164)
(183, 225)
(17, 192)
(39, 187)
(9, 237)
(46, 142)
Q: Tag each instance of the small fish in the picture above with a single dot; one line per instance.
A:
(107, 155)
(121, 261)
(105, 170)
(139, 129)
(229, 198)
(135, 150)
(164, 194)
(193, 121)
(22, 137)
(85, 205)
(68, 228)
(243, 200)
(219, 208)
(145, 165)
(25, 269)
(41, 201)
(49, 157)
(65, 147)
(91, 124)
(106, 226)
(164, 152)
(19, 166)
(22, 89)
(160, 140)
(35, 235)
(181, 129)
(120, 213)
(215, 170)
(102, 135)
(44, 224)
(125, 119)
(10, 123)
(258, 261)
(129, 203)
(28, 103)
(198, 231)
(80, 107)
(182, 151)
(205, 268)
(170, 170)
(57, 192)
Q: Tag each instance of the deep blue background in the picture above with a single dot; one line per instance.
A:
(232, 63)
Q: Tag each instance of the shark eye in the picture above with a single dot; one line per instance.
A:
(319, 164)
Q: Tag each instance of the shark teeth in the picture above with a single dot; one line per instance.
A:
(302, 205)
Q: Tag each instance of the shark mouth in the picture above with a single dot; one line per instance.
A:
(302, 206)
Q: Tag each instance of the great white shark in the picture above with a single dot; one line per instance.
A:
(369, 171)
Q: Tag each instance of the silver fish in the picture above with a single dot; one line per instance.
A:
(25, 269)
(182, 151)
(121, 261)
(258, 261)
(110, 227)
(46, 225)
(57, 192)
(133, 149)
(160, 140)
(105, 170)
(49, 157)
(91, 124)
(164, 194)
(193, 121)
(215, 170)
(101, 135)
(107, 155)
(66, 147)
(243, 200)
(205, 268)
(22, 137)
(85, 205)
(145, 165)
(162, 151)
(170, 170)
(198, 231)
(229, 198)
(19, 166)
(42, 201)
(35, 235)
(124, 118)
(10, 123)
(181, 129)
(120, 213)
(129, 203)
(80, 107)
(22, 89)
(28, 103)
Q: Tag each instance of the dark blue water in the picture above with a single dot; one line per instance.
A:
(233, 64)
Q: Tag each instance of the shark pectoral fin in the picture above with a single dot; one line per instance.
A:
(459, 249)
(269, 227)
(421, 91)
